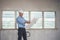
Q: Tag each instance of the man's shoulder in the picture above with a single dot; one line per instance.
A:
(18, 17)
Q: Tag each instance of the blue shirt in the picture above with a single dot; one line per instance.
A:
(21, 22)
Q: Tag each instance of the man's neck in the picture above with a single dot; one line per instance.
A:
(20, 16)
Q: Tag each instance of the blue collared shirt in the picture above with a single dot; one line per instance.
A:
(21, 22)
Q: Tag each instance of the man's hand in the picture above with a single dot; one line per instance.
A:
(28, 22)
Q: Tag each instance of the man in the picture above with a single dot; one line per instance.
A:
(21, 26)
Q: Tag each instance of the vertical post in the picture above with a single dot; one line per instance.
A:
(29, 16)
(15, 21)
(42, 19)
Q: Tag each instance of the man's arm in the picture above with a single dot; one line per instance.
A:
(20, 22)
(28, 22)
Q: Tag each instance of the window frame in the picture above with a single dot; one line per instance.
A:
(2, 24)
(30, 20)
(16, 17)
(42, 19)
(55, 19)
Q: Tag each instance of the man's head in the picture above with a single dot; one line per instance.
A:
(20, 13)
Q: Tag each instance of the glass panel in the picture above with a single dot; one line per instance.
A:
(36, 19)
(8, 20)
(49, 19)
(25, 15)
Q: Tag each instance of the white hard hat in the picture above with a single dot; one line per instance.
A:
(20, 11)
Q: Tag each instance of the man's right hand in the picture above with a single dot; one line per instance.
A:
(28, 22)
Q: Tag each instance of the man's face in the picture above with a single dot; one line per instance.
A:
(20, 14)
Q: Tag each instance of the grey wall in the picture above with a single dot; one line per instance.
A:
(0, 20)
(31, 5)
(0, 15)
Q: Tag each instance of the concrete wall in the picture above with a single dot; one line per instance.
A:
(0, 20)
(31, 5)
(0, 12)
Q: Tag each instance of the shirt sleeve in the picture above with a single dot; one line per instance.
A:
(19, 22)
(25, 20)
